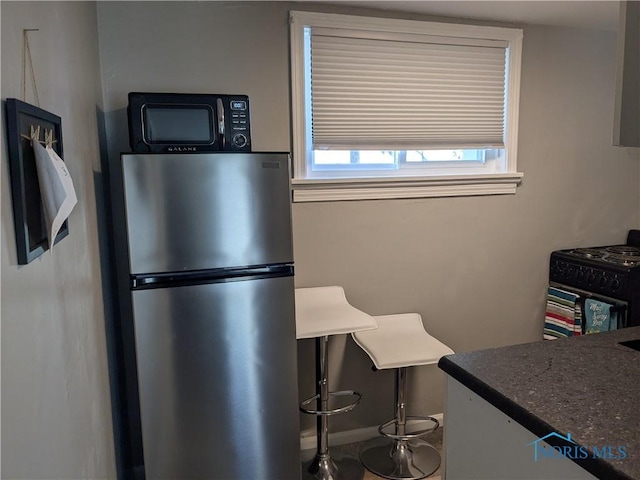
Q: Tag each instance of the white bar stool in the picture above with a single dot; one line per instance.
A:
(321, 312)
(399, 342)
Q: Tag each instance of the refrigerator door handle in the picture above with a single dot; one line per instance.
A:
(179, 279)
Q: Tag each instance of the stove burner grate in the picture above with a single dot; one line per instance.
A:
(624, 250)
(624, 260)
(587, 253)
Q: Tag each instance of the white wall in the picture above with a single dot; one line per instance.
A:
(56, 418)
(476, 268)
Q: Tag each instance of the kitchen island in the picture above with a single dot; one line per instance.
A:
(559, 409)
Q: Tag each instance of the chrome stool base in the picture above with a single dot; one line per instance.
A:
(401, 459)
(328, 468)
(323, 466)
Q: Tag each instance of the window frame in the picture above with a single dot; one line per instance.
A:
(307, 189)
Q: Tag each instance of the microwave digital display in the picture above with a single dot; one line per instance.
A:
(188, 122)
(179, 124)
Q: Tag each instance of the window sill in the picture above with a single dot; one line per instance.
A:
(327, 190)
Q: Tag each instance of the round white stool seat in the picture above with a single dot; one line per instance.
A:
(324, 311)
(399, 342)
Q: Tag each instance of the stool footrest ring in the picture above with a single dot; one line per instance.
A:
(333, 411)
(408, 436)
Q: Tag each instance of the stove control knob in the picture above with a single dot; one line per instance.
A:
(604, 281)
(615, 284)
(569, 272)
(591, 278)
(580, 275)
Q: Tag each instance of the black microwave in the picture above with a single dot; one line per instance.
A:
(188, 122)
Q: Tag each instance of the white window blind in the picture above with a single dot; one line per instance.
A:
(405, 91)
(387, 108)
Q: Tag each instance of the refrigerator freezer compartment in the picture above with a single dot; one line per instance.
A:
(193, 212)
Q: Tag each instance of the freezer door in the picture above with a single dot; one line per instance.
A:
(217, 380)
(204, 211)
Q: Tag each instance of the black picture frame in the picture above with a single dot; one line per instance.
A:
(28, 211)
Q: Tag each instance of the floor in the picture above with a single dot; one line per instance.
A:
(353, 451)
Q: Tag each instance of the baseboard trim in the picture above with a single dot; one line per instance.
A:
(308, 439)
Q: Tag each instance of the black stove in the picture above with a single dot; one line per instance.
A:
(611, 271)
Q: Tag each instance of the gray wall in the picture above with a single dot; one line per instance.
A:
(56, 419)
(476, 268)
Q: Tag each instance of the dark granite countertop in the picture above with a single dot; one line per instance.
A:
(587, 386)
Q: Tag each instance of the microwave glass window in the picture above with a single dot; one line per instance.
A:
(193, 125)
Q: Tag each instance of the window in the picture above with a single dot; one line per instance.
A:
(386, 108)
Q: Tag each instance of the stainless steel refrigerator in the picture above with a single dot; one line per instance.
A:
(209, 312)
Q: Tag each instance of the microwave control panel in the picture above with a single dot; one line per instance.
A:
(239, 121)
